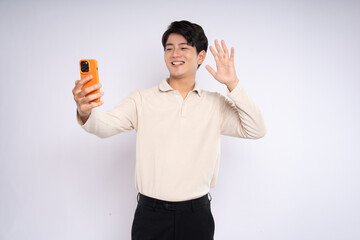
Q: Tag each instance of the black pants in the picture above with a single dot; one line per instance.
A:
(160, 220)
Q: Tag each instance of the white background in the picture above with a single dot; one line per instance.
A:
(299, 61)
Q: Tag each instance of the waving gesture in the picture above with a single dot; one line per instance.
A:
(225, 65)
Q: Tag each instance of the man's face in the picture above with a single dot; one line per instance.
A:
(181, 59)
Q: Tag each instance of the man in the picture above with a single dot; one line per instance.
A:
(178, 135)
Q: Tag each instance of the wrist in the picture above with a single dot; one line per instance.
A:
(232, 85)
(83, 116)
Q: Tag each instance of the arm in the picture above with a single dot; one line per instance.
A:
(122, 118)
(240, 118)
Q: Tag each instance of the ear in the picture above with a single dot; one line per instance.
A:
(201, 57)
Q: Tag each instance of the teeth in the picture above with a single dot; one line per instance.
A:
(177, 63)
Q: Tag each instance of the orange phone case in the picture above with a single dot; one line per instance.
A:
(91, 70)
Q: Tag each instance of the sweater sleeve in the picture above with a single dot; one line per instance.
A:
(122, 118)
(241, 117)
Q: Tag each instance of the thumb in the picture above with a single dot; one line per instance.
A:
(210, 70)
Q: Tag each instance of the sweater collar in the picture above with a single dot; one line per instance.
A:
(164, 87)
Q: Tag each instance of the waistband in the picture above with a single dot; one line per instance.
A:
(168, 205)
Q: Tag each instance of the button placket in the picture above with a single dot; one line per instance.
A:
(184, 105)
(182, 109)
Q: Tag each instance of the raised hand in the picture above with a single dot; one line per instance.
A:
(225, 65)
(84, 104)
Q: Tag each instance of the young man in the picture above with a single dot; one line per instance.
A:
(178, 135)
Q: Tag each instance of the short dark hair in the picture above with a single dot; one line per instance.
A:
(193, 33)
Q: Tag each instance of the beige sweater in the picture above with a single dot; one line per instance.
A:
(178, 140)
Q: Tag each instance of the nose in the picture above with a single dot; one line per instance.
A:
(176, 53)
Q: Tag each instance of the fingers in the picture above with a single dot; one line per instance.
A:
(216, 57)
(85, 105)
(218, 48)
(93, 96)
(85, 80)
(79, 95)
(89, 90)
(211, 70)
(85, 109)
(221, 53)
(226, 52)
(232, 54)
(82, 97)
(96, 104)
(80, 83)
(88, 99)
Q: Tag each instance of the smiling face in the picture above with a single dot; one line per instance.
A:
(181, 58)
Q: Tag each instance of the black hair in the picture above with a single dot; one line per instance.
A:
(193, 33)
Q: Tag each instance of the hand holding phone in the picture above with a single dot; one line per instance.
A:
(87, 91)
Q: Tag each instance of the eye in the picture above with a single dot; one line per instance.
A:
(183, 48)
(168, 49)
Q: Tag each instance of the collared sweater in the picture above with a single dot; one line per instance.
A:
(178, 140)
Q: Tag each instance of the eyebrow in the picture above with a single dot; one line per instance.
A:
(171, 44)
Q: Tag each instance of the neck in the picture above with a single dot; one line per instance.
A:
(182, 84)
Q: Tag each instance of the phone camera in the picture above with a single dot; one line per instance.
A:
(84, 66)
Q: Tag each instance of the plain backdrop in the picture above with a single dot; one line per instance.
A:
(298, 60)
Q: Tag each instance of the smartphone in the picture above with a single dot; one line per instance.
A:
(90, 67)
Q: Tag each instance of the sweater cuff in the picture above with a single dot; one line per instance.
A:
(236, 92)
(89, 120)
(79, 119)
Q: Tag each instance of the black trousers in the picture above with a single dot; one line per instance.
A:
(161, 220)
